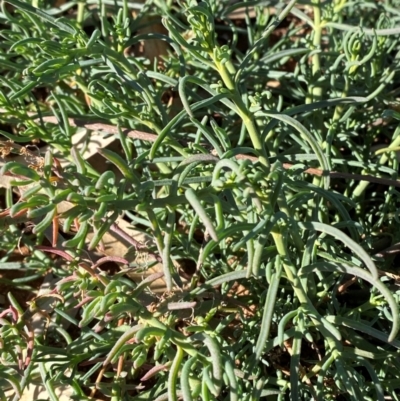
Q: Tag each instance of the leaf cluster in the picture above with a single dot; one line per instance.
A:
(278, 284)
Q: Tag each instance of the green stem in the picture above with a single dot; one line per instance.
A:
(244, 113)
(81, 12)
(334, 124)
(298, 289)
(316, 91)
(289, 268)
(160, 245)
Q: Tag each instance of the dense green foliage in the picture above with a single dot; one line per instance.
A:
(278, 285)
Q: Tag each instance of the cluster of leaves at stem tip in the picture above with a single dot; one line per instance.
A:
(291, 86)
